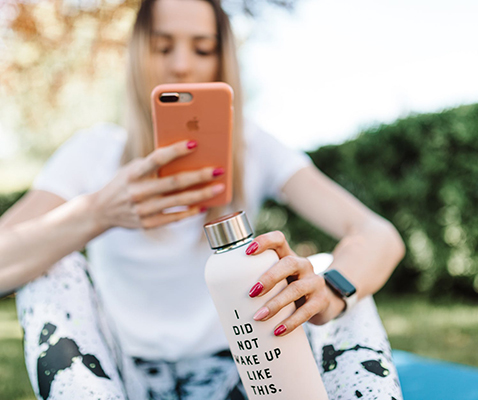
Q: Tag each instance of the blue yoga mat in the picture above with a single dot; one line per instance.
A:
(428, 379)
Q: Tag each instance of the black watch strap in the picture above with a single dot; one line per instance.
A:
(342, 287)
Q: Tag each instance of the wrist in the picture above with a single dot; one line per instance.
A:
(337, 305)
(95, 214)
(342, 288)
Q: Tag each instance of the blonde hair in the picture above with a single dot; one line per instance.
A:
(140, 83)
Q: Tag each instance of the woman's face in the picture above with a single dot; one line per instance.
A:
(184, 41)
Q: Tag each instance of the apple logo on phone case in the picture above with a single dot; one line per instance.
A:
(193, 124)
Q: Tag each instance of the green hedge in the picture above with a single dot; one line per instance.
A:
(8, 199)
(421, 173)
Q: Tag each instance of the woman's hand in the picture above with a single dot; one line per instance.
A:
(315, 301)
(136, 197)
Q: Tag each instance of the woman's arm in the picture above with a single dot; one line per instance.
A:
(368, 251)
(42, 228)
(369, 248)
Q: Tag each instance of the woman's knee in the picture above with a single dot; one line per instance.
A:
(60, 302)
(65, 349)
(354, 357)
(66, 279)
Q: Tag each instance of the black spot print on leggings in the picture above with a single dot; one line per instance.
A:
(153, 371)
(60, 356)
(375, 367)
(46, 332)
(223, 354)
(236, 394)
(358, 394)
(329, 355)
(93, 364)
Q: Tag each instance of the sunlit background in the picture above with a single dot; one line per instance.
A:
(323, 73)
(313, 76)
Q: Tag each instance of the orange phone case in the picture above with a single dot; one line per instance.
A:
(207, 118)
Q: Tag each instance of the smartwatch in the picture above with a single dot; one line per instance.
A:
(342, 288)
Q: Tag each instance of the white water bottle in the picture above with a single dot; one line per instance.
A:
(281, 368)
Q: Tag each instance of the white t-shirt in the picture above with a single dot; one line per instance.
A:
(151, 284)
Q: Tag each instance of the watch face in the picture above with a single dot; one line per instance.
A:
(339, 283)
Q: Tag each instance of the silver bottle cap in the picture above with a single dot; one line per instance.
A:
(228, 229)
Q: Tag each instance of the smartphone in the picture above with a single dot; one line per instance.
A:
(202, 112)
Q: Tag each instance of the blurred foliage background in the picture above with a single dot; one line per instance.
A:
(55, 53)
(62, 68)
(421, 174)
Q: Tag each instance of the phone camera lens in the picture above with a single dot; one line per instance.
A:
(169, 97)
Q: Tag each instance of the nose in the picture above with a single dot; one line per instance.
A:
(181, 62)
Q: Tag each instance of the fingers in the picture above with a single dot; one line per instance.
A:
(161, 156)
(291, 293)
(145, 188)
(156, 204)
(288, 266)
(312, 288)
(301, 315)
(159, 219)
(304, 284)
(273, 240)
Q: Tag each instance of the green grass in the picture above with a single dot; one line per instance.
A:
(442, 330)
(446, 331)
(14, 382)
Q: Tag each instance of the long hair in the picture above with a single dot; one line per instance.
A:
(140, 83)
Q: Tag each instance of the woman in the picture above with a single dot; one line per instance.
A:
(148, 328)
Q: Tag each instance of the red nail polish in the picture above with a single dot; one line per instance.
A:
(192, 144)
(218, 172)
(256, 289)
(280, 330)
(203, 209)
(252, 248)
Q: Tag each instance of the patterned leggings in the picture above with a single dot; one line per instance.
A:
(71, 354)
